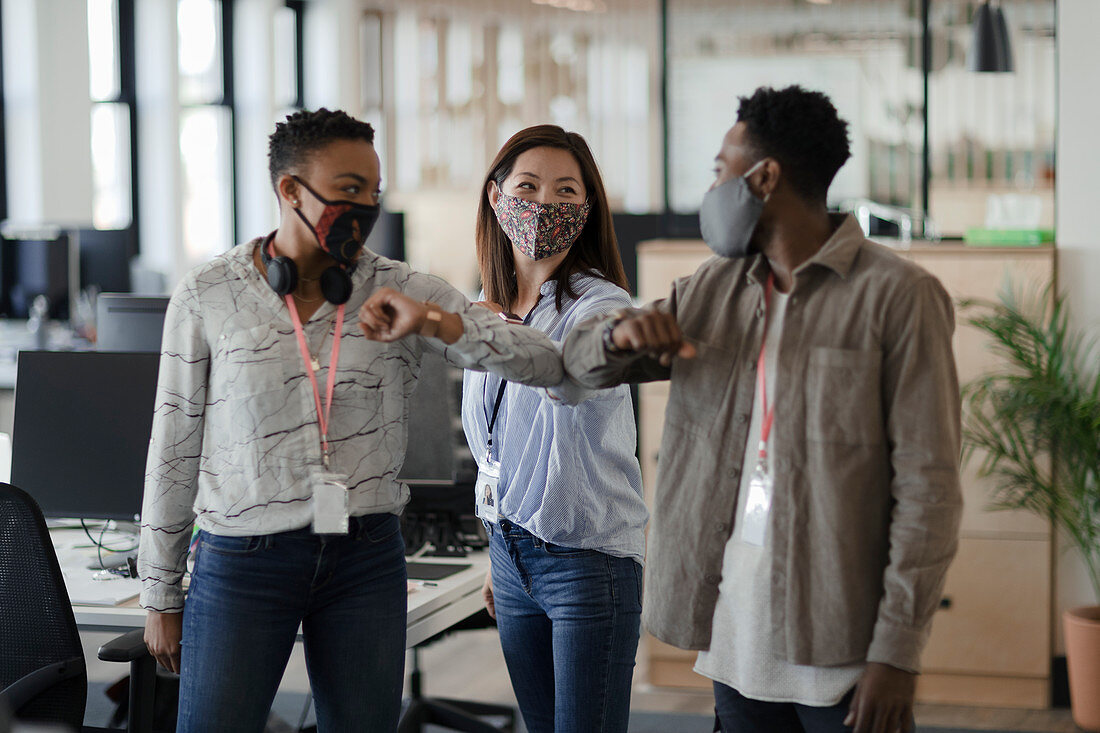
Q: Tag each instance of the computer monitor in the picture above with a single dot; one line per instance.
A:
(388, 236)
(34, 264)
(105, 256)
(434, 424)
(127, 322)
(81, 434)
(439, 468)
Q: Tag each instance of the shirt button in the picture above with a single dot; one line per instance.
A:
(712, 579)
(733, 473)
(742, 418)
(720, 527)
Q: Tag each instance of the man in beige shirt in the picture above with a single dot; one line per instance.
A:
(807, 501)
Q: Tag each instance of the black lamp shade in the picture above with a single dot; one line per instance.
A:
(990, 49)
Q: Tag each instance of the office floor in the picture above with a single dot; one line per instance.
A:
(469, 665)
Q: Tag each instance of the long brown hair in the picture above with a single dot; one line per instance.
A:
(595, 250)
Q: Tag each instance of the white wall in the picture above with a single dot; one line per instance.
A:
(1078, 191)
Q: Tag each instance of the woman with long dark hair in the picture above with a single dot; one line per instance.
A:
(559, 486)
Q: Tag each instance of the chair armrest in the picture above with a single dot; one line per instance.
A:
(29, 686)
(125, 648)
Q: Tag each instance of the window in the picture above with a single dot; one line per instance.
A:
(204, 30)
(289, 62)
(111, 85)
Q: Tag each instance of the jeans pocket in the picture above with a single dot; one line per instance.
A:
(377, 528)
(560, 551)
(224, 545)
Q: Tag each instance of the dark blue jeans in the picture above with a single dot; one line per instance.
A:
(739, 714)
(247, 598)
(569, 621)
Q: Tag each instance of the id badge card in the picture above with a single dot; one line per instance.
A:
(485, 490)
(758, 506)
(330, 502)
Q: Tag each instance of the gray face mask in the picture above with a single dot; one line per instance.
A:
(729, 214)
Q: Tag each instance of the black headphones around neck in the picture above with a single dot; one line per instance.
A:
(282, 276)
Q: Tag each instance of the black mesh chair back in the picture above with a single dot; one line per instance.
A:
(43, 677)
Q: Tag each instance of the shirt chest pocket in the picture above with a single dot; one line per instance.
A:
(248, 363)
(844, 397)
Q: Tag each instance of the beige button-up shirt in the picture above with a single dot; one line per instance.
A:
(866, 504)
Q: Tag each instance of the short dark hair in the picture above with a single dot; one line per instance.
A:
(304, 133)
(801, 129)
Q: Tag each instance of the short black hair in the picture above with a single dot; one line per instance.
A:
(304, 133)
(801, 129)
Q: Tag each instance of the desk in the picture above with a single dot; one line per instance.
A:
(431, 609)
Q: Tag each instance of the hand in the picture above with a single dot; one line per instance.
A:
(487, 594)
(883, 701)
(389, 315)
(163, 632)
(654, 333)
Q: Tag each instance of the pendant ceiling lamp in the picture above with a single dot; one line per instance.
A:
(990, 47)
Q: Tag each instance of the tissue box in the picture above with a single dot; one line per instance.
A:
(985, 237)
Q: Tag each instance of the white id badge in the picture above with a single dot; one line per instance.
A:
(758, 505)
(330, 503)
(485, 491)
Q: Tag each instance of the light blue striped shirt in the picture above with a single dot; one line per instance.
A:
(569, 473)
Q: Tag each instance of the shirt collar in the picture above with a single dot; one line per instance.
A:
(837, 254)
(551, 286)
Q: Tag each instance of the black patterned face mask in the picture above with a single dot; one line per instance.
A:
(343, 227)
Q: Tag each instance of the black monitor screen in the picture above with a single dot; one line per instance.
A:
(126, 322)
(105, 259)
(81, 434)
(434, 426)
(34, 267)
(388, 236)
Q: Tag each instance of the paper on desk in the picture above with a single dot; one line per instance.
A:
(83, 588)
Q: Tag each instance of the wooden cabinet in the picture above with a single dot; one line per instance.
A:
(990, 642)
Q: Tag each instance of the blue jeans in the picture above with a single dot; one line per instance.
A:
(739, 714)
(247, 598)
(736, 713)
(569, 621)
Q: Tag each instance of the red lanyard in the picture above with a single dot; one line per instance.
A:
(334, 359)
(761, 377)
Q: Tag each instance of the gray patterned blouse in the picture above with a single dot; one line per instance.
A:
(235, 430)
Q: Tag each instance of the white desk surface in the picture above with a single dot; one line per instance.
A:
(432, 608)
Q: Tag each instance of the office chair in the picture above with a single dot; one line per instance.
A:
(43, 677)
(458, 715)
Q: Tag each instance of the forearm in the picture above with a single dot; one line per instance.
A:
(591, 364)
(175, 454)
(485, 343)
(472, 337)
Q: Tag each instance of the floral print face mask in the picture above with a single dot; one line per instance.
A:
(540, 230)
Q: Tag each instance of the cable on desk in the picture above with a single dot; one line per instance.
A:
(100, 547)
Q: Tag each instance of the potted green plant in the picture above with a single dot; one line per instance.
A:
(1035, 428)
